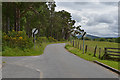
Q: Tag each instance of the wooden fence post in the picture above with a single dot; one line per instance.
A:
(99, 52)
(95, 51)
(85, 48)
(104, 56)
(105, 52)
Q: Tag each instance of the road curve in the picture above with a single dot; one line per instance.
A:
(56, 62)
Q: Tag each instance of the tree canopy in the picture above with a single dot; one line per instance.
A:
(24, 16)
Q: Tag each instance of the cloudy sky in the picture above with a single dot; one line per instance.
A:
(96, 18)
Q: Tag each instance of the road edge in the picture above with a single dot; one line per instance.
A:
(108, 67)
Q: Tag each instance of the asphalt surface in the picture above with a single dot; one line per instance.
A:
(56, 62)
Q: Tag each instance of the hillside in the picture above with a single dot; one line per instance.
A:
(89, 36)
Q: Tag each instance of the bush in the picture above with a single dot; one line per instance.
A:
(102, 39)
(117, 40)
(51, 39)
(42, 39)
(87, 38)
(110, 40)
(16, 39)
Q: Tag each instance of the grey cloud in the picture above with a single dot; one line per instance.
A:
(104, 19)
(110, 3)
(82, 3)
(96, 14)
(76, 17)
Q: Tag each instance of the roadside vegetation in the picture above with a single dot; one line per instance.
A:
(90, 52)
(18, 44)
(18, 20)
(92, 44)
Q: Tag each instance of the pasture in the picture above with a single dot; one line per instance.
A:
(92, 44)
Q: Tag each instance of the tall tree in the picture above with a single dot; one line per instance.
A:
(51, 6)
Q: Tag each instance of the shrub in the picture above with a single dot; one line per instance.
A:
(111, 40)
(16, 39)
(102, 39)
(87, 38)
(42, 39)
(51, 39)
(117, 40)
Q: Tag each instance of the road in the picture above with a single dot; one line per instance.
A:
(56, 62)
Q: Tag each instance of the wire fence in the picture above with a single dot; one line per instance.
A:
(93, 48)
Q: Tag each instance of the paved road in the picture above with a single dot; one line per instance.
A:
(56, 62)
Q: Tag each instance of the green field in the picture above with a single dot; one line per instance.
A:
(89, 54)
(92, 44)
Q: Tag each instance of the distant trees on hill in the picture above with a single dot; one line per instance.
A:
(117, 40)
(86, 38)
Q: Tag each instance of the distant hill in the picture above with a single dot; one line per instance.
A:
(89, 36)
(94, 37)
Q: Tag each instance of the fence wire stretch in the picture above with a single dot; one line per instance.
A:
(95, 48)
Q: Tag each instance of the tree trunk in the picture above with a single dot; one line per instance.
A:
(17, 19)
(8, 24)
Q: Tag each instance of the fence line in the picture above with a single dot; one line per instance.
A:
(109, 53)
(96, 51)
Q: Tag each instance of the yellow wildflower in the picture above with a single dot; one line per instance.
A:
(18, 31)
(14, 38)
(20, 38)
(13, 30)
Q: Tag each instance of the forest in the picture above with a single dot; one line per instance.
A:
(24, 16)
(19, 18)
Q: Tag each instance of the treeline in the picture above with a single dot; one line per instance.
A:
(117, 40)
(24, 16)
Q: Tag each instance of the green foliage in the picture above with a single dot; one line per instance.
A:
(38, 50)
(16, 39)
(117, 40)
(42, 39)
(26, 16)
(102, 39)
(87, 38)
(111, 40)
(51, 39)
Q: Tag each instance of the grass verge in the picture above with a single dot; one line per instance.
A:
(70, 48)
(92, 44)
(38, 50)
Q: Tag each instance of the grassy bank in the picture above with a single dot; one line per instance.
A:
(92, 44)
(89, 57)
(38, 50)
